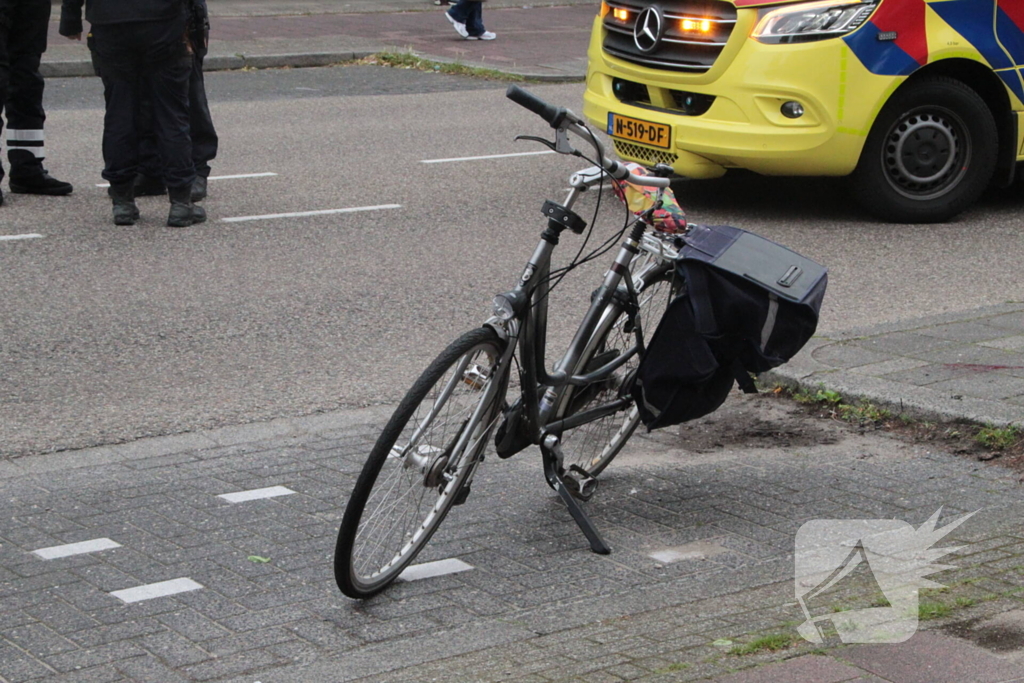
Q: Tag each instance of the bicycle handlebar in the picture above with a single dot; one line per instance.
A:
(524, 98)
(562, 119)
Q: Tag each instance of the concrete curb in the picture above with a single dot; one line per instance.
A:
(173, 444)
(297, 60)
(83, 67)
(804, 372)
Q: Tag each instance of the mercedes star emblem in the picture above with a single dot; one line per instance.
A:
(647, 32)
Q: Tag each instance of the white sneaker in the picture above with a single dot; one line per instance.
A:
(486, 35)
(459, 26)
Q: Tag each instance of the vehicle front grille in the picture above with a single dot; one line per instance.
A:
(694, 33)
(644, 155)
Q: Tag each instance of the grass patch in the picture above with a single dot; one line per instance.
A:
(838, 407)
(769, 643)
(985, 442)
(997, 438)
(933, 610)
(407, 60)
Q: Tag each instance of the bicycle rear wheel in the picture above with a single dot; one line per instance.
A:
(420, 465)
(592, 446)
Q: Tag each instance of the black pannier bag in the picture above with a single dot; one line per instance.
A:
(746, 305)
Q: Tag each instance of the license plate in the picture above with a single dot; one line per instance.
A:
(645, 132)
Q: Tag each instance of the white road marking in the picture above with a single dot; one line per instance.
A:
(223, 177)
(491, 156)
(156, 590)
(11, 238)
(301, 214)
(95, 545)
(241, 175)
(698, 550)
(256, 494)
(429, 570)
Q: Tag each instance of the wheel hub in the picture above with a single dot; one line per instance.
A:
(921, 152)
(429, 461)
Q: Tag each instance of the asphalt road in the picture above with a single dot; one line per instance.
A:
(109, 334)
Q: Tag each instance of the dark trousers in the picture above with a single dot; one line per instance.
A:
(23, 26)
(137, 60)
(204, 135)
(470, 13)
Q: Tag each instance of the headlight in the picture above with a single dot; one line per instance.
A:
(811, 21)
(508, 305)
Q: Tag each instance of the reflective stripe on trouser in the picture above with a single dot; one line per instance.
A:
(31, 141)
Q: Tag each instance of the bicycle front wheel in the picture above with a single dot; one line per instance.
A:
(593, 445)
(420, 465)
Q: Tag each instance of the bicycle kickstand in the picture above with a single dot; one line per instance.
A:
(551, 452)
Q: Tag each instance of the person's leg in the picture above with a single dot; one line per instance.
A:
(204, 135)
(119, 66)
(149, 180)
(474, 19)
(24, 105)
(167, 73)
(460, 11)
(5, 68)
(475, 24)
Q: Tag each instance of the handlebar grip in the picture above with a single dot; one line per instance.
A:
(553, 115)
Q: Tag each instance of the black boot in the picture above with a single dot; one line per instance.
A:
(149, 186)
(183, 212)
(199, 189)
(39, 183)
(125, 210)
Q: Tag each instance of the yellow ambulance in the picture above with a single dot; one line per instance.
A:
(918, 101)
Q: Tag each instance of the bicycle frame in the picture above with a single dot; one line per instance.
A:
(542, 392)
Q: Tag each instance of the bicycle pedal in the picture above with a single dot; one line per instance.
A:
(579, 483)
(462, 495)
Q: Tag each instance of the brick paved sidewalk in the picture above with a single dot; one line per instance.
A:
(168, 580)
(965, 365)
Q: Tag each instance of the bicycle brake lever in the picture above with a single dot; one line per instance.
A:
(550, 145)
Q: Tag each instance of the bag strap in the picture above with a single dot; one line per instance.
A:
(697, 288)
(743, 377)
(697, 282)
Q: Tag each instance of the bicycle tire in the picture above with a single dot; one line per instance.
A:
(364, 564)
(592, 446)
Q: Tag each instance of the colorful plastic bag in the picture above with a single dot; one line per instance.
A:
(670, 218)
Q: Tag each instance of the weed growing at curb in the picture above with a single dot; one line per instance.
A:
(407, 60)
(997, 438)
(861, 412)
(771, 643)
(932, 610)
(985, 442)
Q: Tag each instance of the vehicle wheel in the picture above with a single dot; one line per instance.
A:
(593, 445)
(930, 154)
(417, 469)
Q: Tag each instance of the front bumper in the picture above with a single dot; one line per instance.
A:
(744, 127)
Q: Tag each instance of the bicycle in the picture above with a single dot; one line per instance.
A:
(581, 414)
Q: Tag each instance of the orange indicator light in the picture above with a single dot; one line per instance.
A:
(702, 25)
(621, 14)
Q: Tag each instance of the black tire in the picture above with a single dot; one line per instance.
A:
(401, 497)
(930, 154)
(592, 446)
